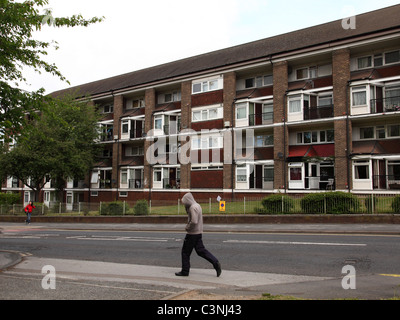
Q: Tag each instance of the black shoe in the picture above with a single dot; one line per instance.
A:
(217, 268)
(181, 274)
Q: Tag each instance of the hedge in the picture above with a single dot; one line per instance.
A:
(330, 203)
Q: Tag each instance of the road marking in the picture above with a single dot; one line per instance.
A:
(391, 275)
(298, 243)
(117, 238)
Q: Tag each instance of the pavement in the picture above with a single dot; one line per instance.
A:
(203, 284)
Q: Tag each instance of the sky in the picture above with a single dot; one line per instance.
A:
(140, 34)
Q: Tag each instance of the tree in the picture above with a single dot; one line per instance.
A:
(18, 50)
(60, 144)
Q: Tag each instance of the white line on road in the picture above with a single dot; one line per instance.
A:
(298, 243)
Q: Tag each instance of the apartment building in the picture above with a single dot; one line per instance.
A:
(308, 111)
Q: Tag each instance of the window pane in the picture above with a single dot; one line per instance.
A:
(295, 174)
(294, 106)
(359, 98)
(197, 116)
(394, 131)
(250, 83)
(241, 113)
(307, 137)
(212, 113)
(367, 133)
(392, 57)
(365, 62)
(302, 73)
(214, 85)
(197, 87)
(362, 172)
(241, 175)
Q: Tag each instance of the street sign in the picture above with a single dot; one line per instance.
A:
(222, 206)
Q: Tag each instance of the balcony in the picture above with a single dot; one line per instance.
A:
(320, 112)
(136, 184)
(259, 119)
(386, 182)
(385, 105)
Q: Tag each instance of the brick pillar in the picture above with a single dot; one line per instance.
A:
(186, 120)
(116, 159)
(281, 136)
(341, 76)
(150, 103)
(229, 99)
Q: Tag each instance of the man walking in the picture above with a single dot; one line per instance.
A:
(193, 239)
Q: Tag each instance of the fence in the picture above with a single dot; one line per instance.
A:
(280, 204)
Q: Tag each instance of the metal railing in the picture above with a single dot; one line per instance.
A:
(320, 112)
(283, 204)
(385, 105)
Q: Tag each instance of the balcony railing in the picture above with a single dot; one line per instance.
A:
(385, 105)
(136, 184)
(171, 184)
(261, 119)
(386, 182)
(137, 133)
(320, 112)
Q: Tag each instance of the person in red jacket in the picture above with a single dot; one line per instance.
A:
(28, 210)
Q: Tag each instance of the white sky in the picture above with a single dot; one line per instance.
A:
(141, 34)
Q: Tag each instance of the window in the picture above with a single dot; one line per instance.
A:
(241, 111)
(258, 82)
(204, 143)
(302, 74)
(207, 114)
(125, 126)
(206, 85)
(394, 131)
(295, 104)
(264, 140)
(380, 132)
(367, 133)
(171, 97)
(392, 57)
(361, 170)
(158, 120)
(364, 62)
(295, 174)
(325, 100)
(394, 170)
(359, 96)
(124, 176)
(315, 137)
(132, 104)
(268, 173)
(157, 175)
(241, 174)
(109, 108)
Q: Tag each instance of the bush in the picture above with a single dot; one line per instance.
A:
(141, 208)
(115, 208)
(330, 203)
(276, 204)
(396, 205)
(10, 198)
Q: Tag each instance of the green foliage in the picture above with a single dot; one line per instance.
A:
(115, 208)
(19, 51)
(60, 145)
(276, 204)
(371, 203)
(330, 203)
(10, 198)
(396, 205)
(141, 208)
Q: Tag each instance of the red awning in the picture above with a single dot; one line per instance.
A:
(320, 150)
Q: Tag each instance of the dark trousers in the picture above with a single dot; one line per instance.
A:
(195, 242)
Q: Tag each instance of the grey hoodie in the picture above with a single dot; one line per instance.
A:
(195, 215)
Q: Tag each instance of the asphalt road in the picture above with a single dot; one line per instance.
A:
(320, 257)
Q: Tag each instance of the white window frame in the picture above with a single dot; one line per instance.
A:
(207, 85)
(203, 113)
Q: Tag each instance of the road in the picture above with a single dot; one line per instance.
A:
(307, 265)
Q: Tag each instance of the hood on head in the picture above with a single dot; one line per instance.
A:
(188, 200)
